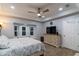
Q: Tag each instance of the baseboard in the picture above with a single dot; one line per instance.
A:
(62, 47)
(70, 49)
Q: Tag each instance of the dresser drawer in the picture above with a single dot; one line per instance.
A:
(52, 40)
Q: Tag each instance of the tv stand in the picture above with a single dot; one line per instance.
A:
(52, 39)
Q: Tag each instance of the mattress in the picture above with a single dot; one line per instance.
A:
(22, 47)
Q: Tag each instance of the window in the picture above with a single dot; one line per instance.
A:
(31, 31)
(15, 30)
(23, 31)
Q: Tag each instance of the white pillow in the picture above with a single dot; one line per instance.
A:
(3, 37)
(3, 42)
(24, 38)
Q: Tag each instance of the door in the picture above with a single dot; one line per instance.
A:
(69, 34)
(76, 42)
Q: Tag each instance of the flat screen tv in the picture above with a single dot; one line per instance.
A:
(51, 30)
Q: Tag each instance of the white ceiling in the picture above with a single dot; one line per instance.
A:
(21, 9)
(37, 5)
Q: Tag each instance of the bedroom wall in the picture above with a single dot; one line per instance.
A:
(8, 26)
(59, 24)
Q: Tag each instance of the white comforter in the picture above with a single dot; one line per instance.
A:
(22, 47)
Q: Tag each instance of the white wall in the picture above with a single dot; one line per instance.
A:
(8, 26)
(59, 24)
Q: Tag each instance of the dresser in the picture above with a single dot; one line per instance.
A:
(52, 40)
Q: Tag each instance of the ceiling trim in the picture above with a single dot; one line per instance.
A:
(67, 15)
(62, 16)
(19, 18)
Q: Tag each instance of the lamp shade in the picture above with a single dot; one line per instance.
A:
(0, 26)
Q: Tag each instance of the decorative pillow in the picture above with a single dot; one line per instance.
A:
(24, 38)
(3, 47)
(3, 37)
(3, 42)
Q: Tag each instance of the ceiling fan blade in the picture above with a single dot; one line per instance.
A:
(31, 12)
(47, 10)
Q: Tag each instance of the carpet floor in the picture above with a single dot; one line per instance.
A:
(53, 51)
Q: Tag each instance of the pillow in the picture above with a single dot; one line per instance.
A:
(4, 44)
(24, 37)
(3, 37)
(3, 47)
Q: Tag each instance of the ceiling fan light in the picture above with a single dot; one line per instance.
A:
(60, 9)
(38, 14)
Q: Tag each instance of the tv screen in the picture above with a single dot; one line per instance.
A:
(51, 30)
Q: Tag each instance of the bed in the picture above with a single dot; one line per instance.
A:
(21, 47)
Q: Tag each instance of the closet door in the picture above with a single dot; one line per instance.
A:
(76, 42)
(69, 34)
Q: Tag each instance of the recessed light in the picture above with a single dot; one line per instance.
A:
(60, 9)
(12, 7)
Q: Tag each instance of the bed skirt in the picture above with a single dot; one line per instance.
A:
(40, 53)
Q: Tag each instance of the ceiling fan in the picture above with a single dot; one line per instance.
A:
(39, 12)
